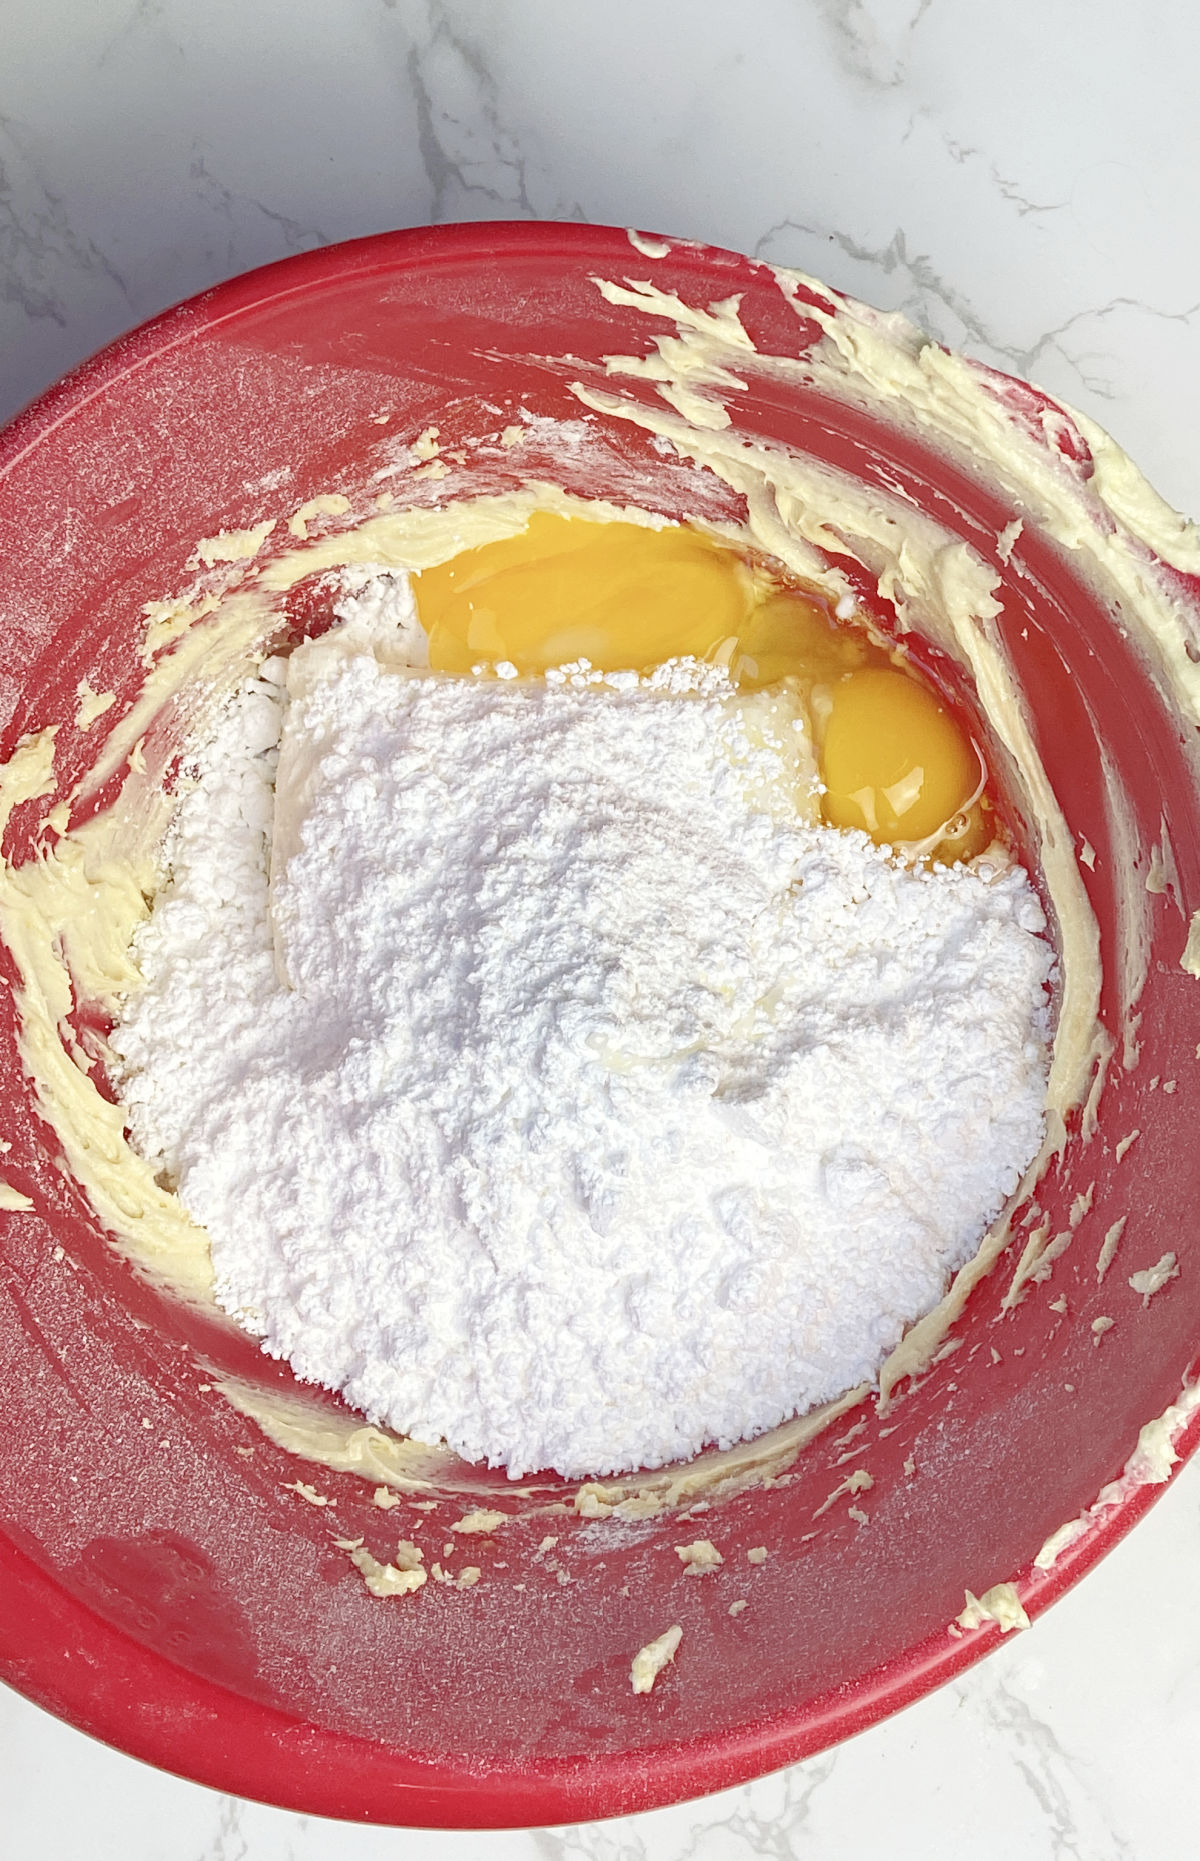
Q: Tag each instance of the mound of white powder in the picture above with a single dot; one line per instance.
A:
(608, 1108)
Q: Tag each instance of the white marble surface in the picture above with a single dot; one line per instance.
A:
(1024, 179)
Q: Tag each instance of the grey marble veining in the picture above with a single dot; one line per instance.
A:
(1022, 183)
(1025, 181)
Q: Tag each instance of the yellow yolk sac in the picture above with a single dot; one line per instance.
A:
(617, 594)
(894, 759)
(896, 762)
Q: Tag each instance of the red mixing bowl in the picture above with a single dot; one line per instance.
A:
(163, 1585)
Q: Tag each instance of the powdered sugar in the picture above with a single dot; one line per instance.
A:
(615, 1108)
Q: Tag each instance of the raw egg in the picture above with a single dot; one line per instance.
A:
(895, 760)
(617, 594)
(893, 756)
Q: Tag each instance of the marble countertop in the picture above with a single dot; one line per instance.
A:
(1023, 180)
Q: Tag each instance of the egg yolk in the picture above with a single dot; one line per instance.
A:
(894, 760)
(616, 594)
(893, 757)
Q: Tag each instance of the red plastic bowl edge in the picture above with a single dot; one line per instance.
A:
(124, 1695)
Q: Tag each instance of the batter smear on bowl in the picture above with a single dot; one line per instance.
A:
(582, 1052)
